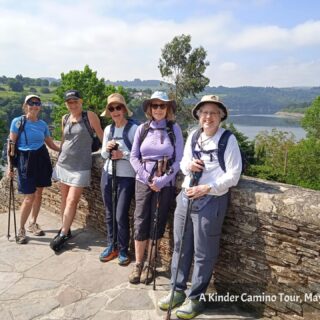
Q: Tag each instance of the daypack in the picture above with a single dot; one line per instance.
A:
(23, 121)
(126, 130)
(96, 144)
(222, 145)
(170, 132)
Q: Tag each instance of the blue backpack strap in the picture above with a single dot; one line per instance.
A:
(194, 141)
(87, 123)
(126, 130)
(111, 132)
(222, 145)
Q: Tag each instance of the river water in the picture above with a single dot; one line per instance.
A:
(251, 125)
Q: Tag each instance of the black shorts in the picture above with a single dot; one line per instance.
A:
(146, 209)
(34, 170)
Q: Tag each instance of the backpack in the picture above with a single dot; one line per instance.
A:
(222, 145)
(126, 130)
(96, 144)
(5, 150)
(170, 132)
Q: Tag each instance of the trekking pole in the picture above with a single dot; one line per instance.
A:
(11, 192)
(114, 197)
(193, 182)
(154, 243)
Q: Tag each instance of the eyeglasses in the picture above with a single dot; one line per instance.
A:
(118, 108)
(156, 106)
(209, 113)
(34, 103)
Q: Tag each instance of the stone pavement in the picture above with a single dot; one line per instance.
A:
(36, 283)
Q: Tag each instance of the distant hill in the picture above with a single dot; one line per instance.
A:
(240, 100)
(253, 100)
(268, 100)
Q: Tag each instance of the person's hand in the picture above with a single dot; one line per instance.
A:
(196, 165)
(116, 155)
(197, 191)
(111, 144)
(10, 173)
(153, 187)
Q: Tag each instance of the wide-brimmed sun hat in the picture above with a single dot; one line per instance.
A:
(210, 99)
(159, 95)
(115, 98)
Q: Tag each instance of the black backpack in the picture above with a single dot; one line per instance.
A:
(169, 128)
(96, 144)
(222, 145)
(126, 130)
(23, 121)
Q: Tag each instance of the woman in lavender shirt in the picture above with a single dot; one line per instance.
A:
(155, 156)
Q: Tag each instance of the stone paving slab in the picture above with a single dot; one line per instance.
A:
(36, 283)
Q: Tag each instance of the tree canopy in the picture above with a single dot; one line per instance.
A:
(183, 67)
(311, 120)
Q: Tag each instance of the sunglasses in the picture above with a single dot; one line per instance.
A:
(34, 103)
(155, 106)
(118, 108)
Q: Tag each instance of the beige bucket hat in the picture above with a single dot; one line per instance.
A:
(115, 98)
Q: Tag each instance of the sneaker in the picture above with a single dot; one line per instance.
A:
(108, 254)
(190, 309)
(135, 275)
(178, 298)
(35, 229)
(69, 234)
(147, 277)
(123, 258)
(21, 237)
(58, 242)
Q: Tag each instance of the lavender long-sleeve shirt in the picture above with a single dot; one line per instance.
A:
(156, 146)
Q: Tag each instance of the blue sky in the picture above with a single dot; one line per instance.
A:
(248, 42)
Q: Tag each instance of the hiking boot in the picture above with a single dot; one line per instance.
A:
(178, 298)
(35, 229)
(145, 273)
(108, 254)
(21, 237)
(135, 275)
(123, 258)
(190, 309)
(57, 243)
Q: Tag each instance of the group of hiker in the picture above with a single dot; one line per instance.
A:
(141, 161)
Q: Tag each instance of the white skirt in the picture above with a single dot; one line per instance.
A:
(72, 178)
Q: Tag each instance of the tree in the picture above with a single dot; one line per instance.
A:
(93, 90)
(304, 164)
(15, 85)
(311, 120)
(271, 153)
(183, 67)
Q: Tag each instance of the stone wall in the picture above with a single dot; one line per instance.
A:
(269, 248)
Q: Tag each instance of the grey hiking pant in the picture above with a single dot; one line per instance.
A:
(201, 241)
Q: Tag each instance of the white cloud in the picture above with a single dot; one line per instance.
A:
(283, 74)
(57, 36)
(275, 37)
